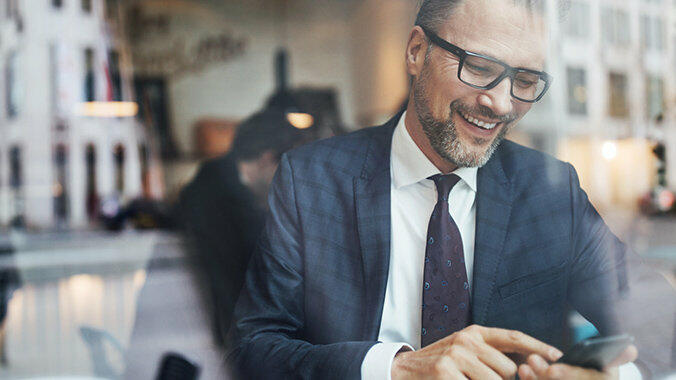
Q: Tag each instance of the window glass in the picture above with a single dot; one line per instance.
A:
(142, 149)
(13, 90)
(652, 33)
(577, 22)
(577, 91)
(654, 97)
(617, 93)
(615, 26)
(87, 5)
(90, 76)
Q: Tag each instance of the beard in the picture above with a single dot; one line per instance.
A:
(443, 134)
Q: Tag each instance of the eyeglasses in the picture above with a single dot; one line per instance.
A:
(483, 72)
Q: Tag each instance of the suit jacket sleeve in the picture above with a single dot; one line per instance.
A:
(270, 313)
(615, 290)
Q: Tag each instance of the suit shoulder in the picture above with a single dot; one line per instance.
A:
(523, 164)
(345, 153)
(520, 157)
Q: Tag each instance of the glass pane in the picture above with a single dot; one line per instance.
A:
(617, 104)
(577, 22)
(87, 5)
(13, 84)
(527, 86)
(615, 30)
(479, 71)
(621, 29)
(652, 33)
(577, 91)
(133, 179)
(654, 97)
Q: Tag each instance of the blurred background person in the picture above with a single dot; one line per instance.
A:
(220, 214)
(222, 209)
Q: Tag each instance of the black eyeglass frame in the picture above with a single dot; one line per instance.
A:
(508, 72)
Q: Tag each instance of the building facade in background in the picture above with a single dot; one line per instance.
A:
(614, 95)
(57, 165)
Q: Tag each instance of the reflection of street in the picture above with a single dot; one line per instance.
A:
(72, 281)
(654, 238)
(75, 280)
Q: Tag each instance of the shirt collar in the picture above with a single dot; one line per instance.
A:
(409, 164)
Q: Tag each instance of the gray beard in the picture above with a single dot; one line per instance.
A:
(443, 134)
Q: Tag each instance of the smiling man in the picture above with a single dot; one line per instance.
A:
(430, 247)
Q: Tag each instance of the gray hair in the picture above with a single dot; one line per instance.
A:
(434, 13)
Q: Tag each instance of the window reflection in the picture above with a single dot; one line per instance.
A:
(124, 190)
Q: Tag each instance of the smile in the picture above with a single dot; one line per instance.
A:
(478, 123)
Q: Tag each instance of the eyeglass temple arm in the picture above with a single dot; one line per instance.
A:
(442, 43)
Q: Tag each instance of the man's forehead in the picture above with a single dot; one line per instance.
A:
(500, 29)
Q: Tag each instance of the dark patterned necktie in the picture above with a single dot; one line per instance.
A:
(445, 305)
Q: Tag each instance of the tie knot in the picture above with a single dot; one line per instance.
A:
(444, 184)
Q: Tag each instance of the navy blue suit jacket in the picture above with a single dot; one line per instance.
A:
(313, 298)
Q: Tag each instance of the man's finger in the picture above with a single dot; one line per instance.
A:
(628, 355)
(474, 368)
(516, 341)
(526, 372)
(538, 364)
(496, 360)
(565, 371)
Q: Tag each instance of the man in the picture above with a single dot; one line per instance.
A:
(222, 210)
(430, 248)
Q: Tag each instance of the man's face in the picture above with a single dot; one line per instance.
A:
(447, 108)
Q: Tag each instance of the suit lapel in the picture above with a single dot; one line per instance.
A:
(372, 201)
(493, 209)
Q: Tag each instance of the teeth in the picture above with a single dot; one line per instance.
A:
(479, 123)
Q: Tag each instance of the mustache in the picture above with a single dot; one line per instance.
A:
(482, 111)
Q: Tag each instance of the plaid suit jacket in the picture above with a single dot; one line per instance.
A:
(313, 298)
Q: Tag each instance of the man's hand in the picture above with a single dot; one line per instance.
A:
(475, 352)
(537, 368)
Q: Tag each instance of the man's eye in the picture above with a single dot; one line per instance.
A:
(525, 83)
(479, 69)
(482, 71)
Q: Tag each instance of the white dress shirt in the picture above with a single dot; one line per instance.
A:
(413, 198)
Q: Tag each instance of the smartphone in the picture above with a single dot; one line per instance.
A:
(597, 352)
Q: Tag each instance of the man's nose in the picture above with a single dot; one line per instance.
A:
(498, 98)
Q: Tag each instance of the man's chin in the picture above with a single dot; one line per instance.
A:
(476, 147)
(471, 153)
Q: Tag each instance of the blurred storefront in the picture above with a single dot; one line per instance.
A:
(68, 137)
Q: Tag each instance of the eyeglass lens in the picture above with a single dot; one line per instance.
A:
(481, 72)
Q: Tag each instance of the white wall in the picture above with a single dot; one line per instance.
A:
(379, 37)
(320, 55)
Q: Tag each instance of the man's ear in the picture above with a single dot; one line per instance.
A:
(415, 51)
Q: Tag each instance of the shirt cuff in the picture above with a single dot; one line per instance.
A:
(629, 371)
(377, 363)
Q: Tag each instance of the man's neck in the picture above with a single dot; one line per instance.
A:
(416, 132)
